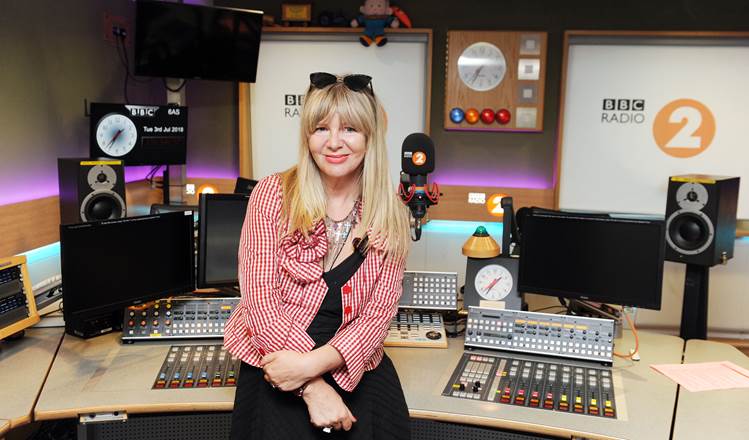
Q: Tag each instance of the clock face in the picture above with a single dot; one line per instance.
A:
(482, 66)
(493, 282)
(116, 134)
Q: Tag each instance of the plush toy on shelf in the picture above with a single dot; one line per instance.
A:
(375, 16)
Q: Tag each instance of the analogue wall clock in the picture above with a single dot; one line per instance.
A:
(116, 134)
(495, 80)
(139, 134)
(492, 279)
(482, 66)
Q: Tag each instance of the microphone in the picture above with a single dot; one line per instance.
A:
(417, 160)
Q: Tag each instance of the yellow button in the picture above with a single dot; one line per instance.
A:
(578, 399)
(593, 402)
(608, 404)
(564, 397)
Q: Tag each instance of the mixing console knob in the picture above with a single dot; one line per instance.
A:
(155, 313)
(143, 323)
(155, 323)
(156, 306)
(132, 313)
(168, 305)
(475, 389)
(143, 313)
(462, 387)
(167, 322)
(477, 383)
(168, 313)
(131, 323)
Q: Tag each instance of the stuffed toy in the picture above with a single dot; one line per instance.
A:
(375, 16)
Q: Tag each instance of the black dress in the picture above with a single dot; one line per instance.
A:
(377, 402)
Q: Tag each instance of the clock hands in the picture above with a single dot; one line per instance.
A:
(114, 138)
(496, 280)
(476, 75)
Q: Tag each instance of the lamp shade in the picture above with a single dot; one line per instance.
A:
(480, 245)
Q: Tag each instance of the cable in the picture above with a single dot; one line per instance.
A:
(636, 351)
(125, 60)
(547, 308)
(181, 86)
(151, 174)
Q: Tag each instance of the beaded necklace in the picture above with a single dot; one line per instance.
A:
(338, 232)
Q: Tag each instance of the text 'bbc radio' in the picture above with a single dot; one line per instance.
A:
(623, 111)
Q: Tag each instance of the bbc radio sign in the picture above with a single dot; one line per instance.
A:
(623, 111)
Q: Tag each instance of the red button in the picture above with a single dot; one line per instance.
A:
(346, 289)
(347, 310)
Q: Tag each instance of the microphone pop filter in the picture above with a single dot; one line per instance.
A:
(417, 154)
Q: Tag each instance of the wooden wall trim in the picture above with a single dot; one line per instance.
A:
(245, 131)
(453, 204)
(29, 225)
(35, 223)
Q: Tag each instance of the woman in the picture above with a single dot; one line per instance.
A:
(322, 255)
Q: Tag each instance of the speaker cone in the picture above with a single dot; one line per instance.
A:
(689, 232)
(102, 205)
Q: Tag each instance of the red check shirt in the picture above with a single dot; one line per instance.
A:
(282, 290)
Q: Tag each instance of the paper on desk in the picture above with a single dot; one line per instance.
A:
(706, 376)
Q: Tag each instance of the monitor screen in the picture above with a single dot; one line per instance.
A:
(113, 264)
(221, 220)
(592, 257)
(190, 41)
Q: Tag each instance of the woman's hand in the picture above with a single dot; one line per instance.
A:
(285, 370)
(325, 406)
(289, 370)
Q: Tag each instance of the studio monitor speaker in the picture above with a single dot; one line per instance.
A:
(701, 219)
(91, 190)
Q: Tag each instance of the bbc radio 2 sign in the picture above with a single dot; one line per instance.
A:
(682, 128)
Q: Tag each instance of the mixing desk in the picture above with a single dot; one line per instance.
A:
(529, 381)
(197, 366)
(178, 318)
(410, 328)
(429, 290)
(526, 369)
(574, 337)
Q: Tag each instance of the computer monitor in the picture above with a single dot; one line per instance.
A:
(221, 220)
(593, 257)
(181, 40)
(112, 264)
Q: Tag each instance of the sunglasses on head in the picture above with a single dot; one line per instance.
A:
(356, 82)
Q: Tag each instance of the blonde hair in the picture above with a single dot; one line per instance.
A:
(304, 196)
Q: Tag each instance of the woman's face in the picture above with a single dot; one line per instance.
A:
(337, 148)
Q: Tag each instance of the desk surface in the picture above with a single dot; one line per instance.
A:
(103, 375)
(24, 364)
(712, 414)
(646, 395)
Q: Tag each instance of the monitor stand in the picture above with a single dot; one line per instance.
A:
(694, 307)
(596, 310)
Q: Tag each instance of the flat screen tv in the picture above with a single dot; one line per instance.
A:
(180, 40)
